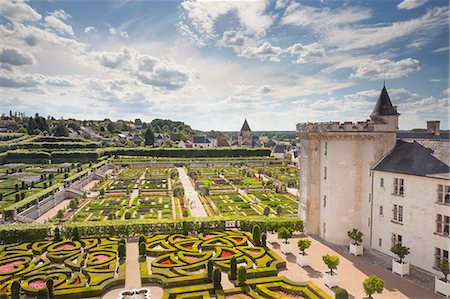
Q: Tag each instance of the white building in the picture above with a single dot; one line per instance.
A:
(340, 186)
(202, 141)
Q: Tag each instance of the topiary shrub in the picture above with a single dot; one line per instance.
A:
(266, 211)
(217, 279)
(242, 275)
(303, 244)
(142, 239)
(76, 234)
(355, 235)
(341, 294)
(49, 283)
(233, 268)
(400, 251)
(256, 235)
(284, 233)
(264, 240)
(142, 250)
(57, 234)
(111, 216)
(42, 294)
(210, 269)
(279, 210)
(127, 215)
(122, 251)
(15, 289)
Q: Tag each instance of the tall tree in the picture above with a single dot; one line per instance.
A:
(149, 137)
(61, 130)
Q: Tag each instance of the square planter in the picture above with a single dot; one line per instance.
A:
(329, 280)
(442, 287)
(285, 247)
(303, 260)
(272, 237)
(400, 269)
(356, 249)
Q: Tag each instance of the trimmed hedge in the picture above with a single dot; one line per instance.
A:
(11, 233)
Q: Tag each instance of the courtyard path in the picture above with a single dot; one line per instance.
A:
(52, 212)
(197, 209)
(352, 272)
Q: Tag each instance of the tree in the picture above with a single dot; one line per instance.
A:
(256, 235)
(233, 268)
(15, 289)
(142, 250)
(73, 204)
(284, 233)
(49, 283)
(110, 127)
(217, 281)
(102, 192)
(60, 214)
(400, 251)
(111, 216)
(61, 130)
(279, 210)
(42, 294)
(149, 137)
(264, 240)
(266, 211)
(210, 269)
(76, 234)
(303, 244)
(56, 235)
(331, 261)
(242, 275)
(355, 235)
(127, 215)
(444, 267)
(372, 285)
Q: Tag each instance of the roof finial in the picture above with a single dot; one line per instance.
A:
(384, 78)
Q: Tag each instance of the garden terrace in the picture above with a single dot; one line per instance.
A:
(261, 200)
(285, 174)
(228, 204)
(79, 269)
(19, 181)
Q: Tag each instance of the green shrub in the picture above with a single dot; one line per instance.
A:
(341, 294)
(284, 233)
(400, 251)
(264, 240)
(210, 269)
(331, 261)
(111, 216)
(279, 210)
(49, 283)
(42, 294)
(60, 214)
(303, 244)
(217, 279)
(242, 275)
(355, 235)
(266, 211)
(57, 234)
(142, 239)
(15, 289)
(142, 250)
(233, 268)
(256, 235)
(76, 234)
(372, 285)
(122, 251)
(127, 215)
(444, 267)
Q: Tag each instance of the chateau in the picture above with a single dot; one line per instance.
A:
(392, 186)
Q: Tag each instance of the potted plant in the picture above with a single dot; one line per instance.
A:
(271, 232)
(372, 285)
(442, 285)
(356, 248)
(331, 279)
(400, 267)
(302, 257)
(285, 233)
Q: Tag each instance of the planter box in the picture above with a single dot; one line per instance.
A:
(442, 287)
(303, 260)
(329, 280)
(356, 249)
(272, 237)
(285, 247)
(400, 269)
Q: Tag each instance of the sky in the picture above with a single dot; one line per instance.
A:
(212, 64)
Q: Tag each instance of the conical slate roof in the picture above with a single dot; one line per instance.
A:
(245, 127)
(383, 105)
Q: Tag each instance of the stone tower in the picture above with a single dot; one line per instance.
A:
(245, 137)
(335, 180)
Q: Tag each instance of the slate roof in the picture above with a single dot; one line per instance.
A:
(279, 149)
(245, 127)
(200, 139)
(422, 135)
(428, 158)
(383, 105)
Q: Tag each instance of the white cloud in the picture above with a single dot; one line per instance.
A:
(440, 50)
(347, 38)
(114, 59)
(90, 29)
(124, 34)
(60, 14)
(233, 39)
(15, 57)
(263, 52)
(308, 53)
(58, 25)
(410, 4)
(200, 16)
(112, 31)
(265, 89)
(384, 68)
(18, 10)
(320, 18)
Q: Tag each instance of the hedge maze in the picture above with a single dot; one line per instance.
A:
(83, 269)
(180, 264)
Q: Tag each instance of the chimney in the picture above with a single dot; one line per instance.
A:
(433, 127)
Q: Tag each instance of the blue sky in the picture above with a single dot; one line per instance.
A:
(213, 63)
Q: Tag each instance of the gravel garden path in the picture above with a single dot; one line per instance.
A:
(197, 208)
